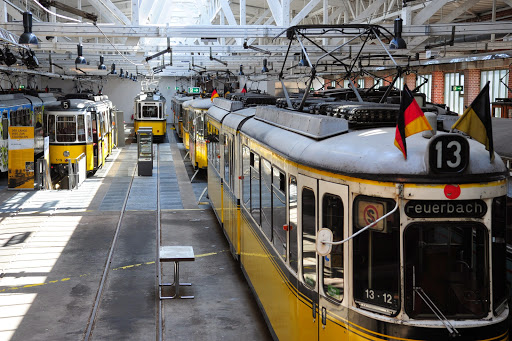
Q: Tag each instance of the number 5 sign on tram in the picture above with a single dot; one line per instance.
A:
(448, 153)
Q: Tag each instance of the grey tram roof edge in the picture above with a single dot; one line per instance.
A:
(371, 154)
(317, 127)
(236, 119)
(199, 103)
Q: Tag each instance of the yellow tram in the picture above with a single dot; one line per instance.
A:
(431, 268)
(177, 109)
(80, 124)
(149, 111)
(195, 115)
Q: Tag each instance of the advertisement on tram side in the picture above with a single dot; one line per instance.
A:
(21, 158)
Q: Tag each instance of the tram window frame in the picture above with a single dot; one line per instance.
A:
(227, 170)
(293, 253)
(89, 128)
(266, 197)
(377, 280)
(255, 204)
(279, 211)
(152, 114)
(333, 263)
(446, 272)
(499, 254)
(246, 176)
(66, 132)
(309, 259)
(51, 127)
(80, 124)
(232, 162)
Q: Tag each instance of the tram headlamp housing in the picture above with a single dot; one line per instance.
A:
(66, 153)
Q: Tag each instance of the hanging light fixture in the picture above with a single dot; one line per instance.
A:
(126, 74)
(131, 76)
(241, 73)
(265, 68)
(113, 69)
(102, 65)
(121, 74)
(80, 59)
(27, 37)
(398, 42)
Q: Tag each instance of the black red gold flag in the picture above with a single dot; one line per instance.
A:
(411, 120)
(244, 90)
(214, 94)
(476, 120)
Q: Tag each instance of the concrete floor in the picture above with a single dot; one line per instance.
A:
(55, 246)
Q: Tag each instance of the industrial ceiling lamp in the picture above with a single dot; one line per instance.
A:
(121, 74)
(265, 68)
(126, 74)
(80, 59)
(113, 69)
(131, 76)
(398, 42)
(102, 66)
(27, 37)
(10, 58)
(241, 73)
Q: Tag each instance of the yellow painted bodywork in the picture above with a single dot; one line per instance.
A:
(180, 129)
(186, 142)
(201, 154)
(57, 154)
(159, 128)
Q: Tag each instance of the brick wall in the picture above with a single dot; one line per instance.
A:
(410, 80)
(437, 94)
(369, 81)
(471, 85)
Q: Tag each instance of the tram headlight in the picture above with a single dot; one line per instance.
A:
(66, 153)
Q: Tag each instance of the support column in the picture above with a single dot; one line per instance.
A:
(509, 93)
(471, 85)
(437, 87)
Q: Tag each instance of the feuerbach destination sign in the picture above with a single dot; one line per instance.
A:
(445, 209)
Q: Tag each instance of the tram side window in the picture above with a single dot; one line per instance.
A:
(81, 128)
(200, 125)
(66, 129)
(448, 263)
(89, 128)
(138, 114)
(292, 218)
(38, 114)
(279, 210)
(308, 237)
(227, 142)
(266, 198)
(255, 187)
(160, 111)
(499, 253)
(51, 127)
(246, 177)
(332, 218)
(376, 256)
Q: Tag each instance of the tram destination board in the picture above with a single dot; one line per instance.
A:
(446, 209)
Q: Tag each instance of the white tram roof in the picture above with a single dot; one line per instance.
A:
(200, 103)
(365, 153)
(79, 105)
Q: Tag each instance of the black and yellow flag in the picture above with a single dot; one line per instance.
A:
(476, 120)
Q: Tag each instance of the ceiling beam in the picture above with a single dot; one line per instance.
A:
(276, 9)
(304, 12)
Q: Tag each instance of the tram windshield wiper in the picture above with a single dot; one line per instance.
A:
(439, 314)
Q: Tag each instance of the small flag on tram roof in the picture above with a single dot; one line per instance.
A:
(244, 90)
(214, 94)
(411, 120)
(476, 120)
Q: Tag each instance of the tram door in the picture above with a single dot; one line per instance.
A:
(307, 305)
(96, 131)
(332, 214)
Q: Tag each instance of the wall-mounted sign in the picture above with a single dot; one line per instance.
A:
(193, 90)
(457, 88)
(177, 88)
(446, 209)
(21, 158)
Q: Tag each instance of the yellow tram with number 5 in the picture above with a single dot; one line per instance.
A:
(80, 124)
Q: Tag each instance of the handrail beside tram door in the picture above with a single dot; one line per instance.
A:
(42, 176)
(77, 171)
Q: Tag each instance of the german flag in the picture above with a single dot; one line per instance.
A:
(476, 121)
(244, 90)
(411, 120)
(214, 94)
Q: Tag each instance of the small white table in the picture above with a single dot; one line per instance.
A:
(175, 254)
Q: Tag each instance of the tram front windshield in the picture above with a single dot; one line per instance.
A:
(149, 111)
(446, 263)
(66, 128)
